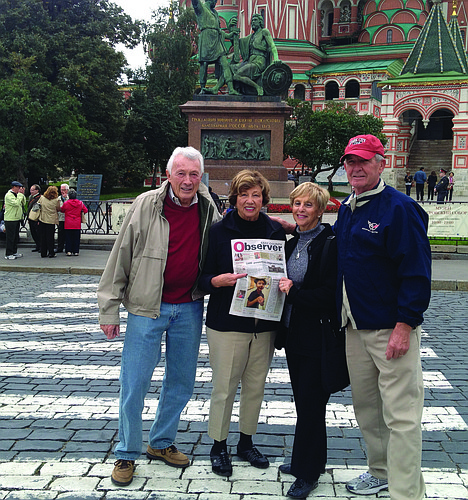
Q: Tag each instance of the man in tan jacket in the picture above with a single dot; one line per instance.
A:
(153, 271)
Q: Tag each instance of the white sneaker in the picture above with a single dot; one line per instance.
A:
(10, 257)
(366, 484)
(18, 255)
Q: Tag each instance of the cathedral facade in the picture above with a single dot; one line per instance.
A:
(400, 60)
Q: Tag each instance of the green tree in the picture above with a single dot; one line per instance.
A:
(317, 139)
(155, 121)
(172, 44)
(40, 125)
(70, 44)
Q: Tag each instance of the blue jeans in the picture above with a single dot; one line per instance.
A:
(141, 353)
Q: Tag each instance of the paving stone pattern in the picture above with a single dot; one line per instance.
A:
(59, 408)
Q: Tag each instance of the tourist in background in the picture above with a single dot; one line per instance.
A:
(441, 186)
(35, 194)
(48, 219)
(420, 178)
(15, 204)
(72, 209)
(408, 183)
(450, 186)
(61, 216)
(431, 184)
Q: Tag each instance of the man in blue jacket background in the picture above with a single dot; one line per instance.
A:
(384, 273)
(420, 179)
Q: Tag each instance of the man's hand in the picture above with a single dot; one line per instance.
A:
(111, 331)
(287, 226)
(227, 279)
(399, 341)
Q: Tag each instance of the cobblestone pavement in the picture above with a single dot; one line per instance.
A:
(59, 408)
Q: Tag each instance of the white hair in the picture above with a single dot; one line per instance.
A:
(64, 186)
(379, 157)
(188, 152)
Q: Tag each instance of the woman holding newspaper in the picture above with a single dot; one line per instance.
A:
(310, 291)
(241, 346)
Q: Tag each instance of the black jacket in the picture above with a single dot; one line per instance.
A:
(219, 261)
(316, 297)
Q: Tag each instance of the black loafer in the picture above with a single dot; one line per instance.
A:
(301, 488)
(221, 463)
(285, 468)
(255, 458)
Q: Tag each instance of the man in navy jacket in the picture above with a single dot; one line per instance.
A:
(384, 273)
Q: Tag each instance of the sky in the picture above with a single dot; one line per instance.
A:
(138, 9)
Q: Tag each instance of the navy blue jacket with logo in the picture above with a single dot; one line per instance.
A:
(384, 257)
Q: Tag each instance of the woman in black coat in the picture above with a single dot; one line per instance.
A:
(310, 291)
(241, 347)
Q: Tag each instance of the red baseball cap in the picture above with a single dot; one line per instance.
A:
(365, 146)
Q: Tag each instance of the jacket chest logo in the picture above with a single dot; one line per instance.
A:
(373, 226)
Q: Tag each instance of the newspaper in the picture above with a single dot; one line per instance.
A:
(258, 295)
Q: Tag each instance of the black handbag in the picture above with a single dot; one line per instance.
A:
(335, 375)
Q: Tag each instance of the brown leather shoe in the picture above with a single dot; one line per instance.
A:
(172, 456)
(122, 475)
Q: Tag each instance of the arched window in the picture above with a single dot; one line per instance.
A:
(352, 88)
(326, 18)
(330, 24)
(345, 12)
(389, 36)
(331, 91)
(299, 92)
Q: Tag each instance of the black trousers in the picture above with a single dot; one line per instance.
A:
(419, 192)
(61, 236)
(12, 228)
(47, 239)
(72, 240)
(35, 232)
(309, 455)
(441, 195)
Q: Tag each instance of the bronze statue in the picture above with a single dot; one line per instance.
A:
(211, 48)
(257, 50)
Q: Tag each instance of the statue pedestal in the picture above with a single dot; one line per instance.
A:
(238, 132)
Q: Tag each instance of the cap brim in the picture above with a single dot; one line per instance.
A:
(367, 155)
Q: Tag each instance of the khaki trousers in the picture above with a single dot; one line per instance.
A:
(388, 399)
(237, 357)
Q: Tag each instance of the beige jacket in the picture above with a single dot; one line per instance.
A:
(49, 214)
(134, 273)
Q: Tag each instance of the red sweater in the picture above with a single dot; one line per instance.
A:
(72, 210)
(182, 257)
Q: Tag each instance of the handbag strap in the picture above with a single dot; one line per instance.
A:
(323, 260)
(324, 256)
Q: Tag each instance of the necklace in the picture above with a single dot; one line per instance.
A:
(298, 253)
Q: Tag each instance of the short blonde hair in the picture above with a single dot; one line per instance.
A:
(316, 194)
(246, 179)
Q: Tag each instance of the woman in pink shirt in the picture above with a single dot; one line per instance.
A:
(72, 209)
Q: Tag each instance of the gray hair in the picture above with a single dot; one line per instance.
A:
(379, 157)
(188, 152)
(72, 194)
(64, 186)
